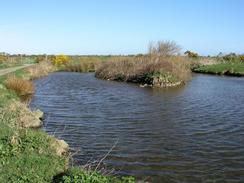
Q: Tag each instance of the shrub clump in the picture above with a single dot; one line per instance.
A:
(21, 86)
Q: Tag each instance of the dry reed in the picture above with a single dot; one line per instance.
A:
(21, 86)
(40, 69)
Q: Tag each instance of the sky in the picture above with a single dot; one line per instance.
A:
(120, 26)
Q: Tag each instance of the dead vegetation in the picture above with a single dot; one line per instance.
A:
(21, 86)
(82, 64)
(21, 116)
(161, 67)
(40, 69)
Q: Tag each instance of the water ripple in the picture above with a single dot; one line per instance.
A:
(189, 134)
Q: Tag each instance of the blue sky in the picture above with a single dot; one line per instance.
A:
(120, 26)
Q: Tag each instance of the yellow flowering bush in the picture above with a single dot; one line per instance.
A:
(60, 60)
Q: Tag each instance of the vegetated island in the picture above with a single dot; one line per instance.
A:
(161, 67)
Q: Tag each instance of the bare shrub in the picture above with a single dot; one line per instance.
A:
(164, 48)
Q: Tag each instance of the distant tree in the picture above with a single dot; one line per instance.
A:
(230, 57)
(220, 54)
(164, 48)
(191, 54)
(139, 55)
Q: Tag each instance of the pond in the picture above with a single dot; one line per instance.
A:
(190, 134)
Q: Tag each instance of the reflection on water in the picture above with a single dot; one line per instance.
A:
(189, 134)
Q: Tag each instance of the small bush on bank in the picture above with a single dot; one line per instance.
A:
(21, 86)
(76, 175)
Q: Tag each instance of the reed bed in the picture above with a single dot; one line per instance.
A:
(40, 69)
(82, 64)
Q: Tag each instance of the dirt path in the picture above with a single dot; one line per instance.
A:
(12, 69)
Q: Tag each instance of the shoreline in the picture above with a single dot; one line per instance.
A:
(221, 69)
(55, 151)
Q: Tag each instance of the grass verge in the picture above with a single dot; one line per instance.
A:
(232, 69)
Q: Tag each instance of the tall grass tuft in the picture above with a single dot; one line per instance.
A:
(21, 86)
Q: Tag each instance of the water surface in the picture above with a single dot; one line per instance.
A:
(190, 134)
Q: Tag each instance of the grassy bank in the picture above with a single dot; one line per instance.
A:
(232, 69)
(230, 64)
(27, 154)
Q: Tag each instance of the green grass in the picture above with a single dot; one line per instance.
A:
(76, 175)
(26, 154)
(18, 73)
(6, 95)
(235, 69)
